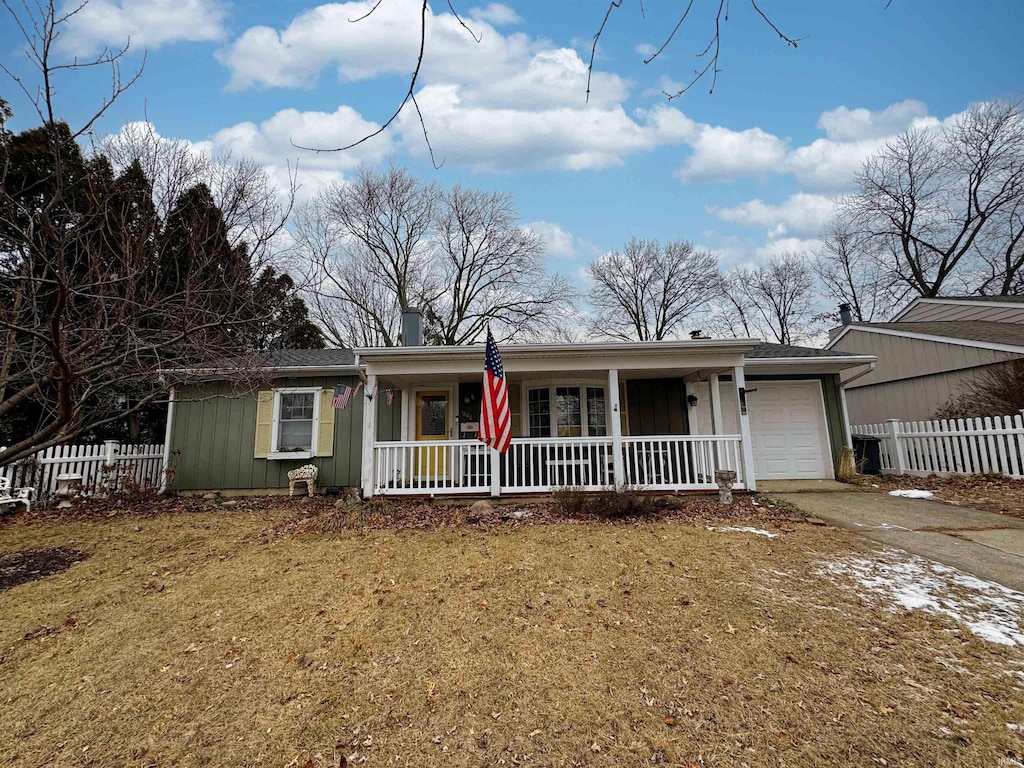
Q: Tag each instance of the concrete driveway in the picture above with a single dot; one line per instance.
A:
(984, 544)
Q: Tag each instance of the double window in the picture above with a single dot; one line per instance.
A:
(567, 411)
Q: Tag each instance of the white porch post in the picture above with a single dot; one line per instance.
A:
(369, 434)
(690, 388)
(495, 473)
(618, 465)
(716, 405)
(746, 446)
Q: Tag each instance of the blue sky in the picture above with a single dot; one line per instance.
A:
(749, 171)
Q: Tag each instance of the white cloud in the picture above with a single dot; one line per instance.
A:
(801, 214)
(845, 124)
(385, 42)
(721, 154)
(646, 49)
(787, 245)
(496, 14)
(269, 143)
(559, 243)
(485, 138)
(824, 165)
(147, 23)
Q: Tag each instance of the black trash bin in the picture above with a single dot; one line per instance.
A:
(868, 451)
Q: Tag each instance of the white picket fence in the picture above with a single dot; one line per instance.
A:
(106, 467)
(950, 446)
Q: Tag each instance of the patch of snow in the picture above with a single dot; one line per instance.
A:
(912, 494)
(900, 580)
(1015, 726)
(743, 529)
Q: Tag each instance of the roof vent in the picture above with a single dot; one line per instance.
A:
(699, 335)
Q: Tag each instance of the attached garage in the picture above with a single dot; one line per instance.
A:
(787, 426)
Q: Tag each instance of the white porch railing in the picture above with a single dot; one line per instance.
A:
(686, 462)
(422, 466)
(536, 464)
(531, 465)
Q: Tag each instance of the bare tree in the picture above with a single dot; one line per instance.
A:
(105, 301)
(945, 204)
(774, 298)
(997, 391)
(648, 290)
(491, 271)
(852, 271)
(370, 244)
(390, 242)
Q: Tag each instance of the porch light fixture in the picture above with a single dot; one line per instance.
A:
(691, 400)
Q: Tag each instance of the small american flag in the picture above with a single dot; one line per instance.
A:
(342, 395)
(495, 419)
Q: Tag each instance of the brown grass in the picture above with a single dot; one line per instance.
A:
(205, 640)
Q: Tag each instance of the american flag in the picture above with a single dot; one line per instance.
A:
(495, 420)
(342, 395)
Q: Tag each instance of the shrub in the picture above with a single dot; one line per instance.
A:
(622, 501)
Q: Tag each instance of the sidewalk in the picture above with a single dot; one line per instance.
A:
(984, 544)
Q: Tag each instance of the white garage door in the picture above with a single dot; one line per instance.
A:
(787, 426)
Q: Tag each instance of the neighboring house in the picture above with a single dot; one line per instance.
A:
(659, 415)
(931, 352)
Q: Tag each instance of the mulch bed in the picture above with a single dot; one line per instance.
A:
(31, 564)
(405, 514)
(329, 513)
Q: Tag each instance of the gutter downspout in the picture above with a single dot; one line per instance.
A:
(842, 402)
(167, 442)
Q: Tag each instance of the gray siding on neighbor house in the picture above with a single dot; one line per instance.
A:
(900, 357)
(926, 312)
(214, 433)
(915, 399)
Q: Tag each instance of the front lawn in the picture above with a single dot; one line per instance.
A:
(232, 638)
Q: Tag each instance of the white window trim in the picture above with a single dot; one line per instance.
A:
(551, 385)
(294, 455)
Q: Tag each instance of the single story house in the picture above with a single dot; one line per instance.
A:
(657, 415)
(931, 352)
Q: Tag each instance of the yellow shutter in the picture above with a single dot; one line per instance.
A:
(515, 408)
(264, 423)
(325, 438)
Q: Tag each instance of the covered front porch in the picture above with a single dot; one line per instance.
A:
(590, 416)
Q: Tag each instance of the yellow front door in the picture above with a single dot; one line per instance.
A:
(432, 425)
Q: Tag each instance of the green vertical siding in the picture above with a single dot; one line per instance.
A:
(214, 431)
(656, 407)
(389, 417)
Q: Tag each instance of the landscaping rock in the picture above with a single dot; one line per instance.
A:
(231, 503)
(211, 496)
(480, 510)
(521, 514)
(351, 495)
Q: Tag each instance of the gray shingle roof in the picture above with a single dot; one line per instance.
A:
(309, 358)
(785, 350)
(971, 330)
(1001, 299)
